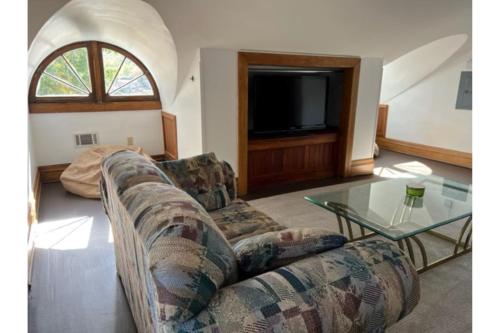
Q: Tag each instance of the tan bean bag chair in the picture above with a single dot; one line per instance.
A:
(83, 175)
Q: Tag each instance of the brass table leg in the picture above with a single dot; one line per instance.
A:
(460, 248)
(350, 234)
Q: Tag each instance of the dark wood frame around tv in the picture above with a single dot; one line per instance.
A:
(341, 165)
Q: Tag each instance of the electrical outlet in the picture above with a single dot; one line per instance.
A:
(130, 140)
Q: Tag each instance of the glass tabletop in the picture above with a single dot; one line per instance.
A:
(385, 208)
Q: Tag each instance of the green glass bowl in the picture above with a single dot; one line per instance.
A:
(415, 190)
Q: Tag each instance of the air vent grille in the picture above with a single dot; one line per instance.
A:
(86, 139)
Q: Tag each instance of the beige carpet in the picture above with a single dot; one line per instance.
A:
(446, 295)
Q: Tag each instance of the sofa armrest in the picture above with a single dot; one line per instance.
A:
(229, 180)
(125, 169)
(363, 286)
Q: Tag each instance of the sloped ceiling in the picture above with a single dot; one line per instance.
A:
(380, 28)
(131, 24)
(415, 65)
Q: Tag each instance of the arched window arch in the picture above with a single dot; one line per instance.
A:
(92, 76)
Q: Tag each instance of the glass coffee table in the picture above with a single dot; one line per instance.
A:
(383, 208)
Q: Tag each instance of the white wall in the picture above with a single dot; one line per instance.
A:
(417, 64)
(54, 143)
(376, 28)
(187, 108)
(32, 161)
(426, 114)
(131, 24)
(219, 70)
(220, 105)
(365, 126)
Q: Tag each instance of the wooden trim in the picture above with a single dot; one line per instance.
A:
(243, 62)
(346, 134)
(98, 100)
(159, 157)
(94, 107)
(37, 191)
(169, 122)
(51, 173)
(362, 167)
(383, 113)
(97, 71)
(31, 255)
(347, 118)
(432, 153)
(266, 144)
(299, 60)
(33, 208)
(34, 202)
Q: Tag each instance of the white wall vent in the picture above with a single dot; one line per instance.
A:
(85, 139)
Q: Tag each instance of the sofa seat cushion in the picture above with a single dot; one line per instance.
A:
(239, 220)
(274, 249)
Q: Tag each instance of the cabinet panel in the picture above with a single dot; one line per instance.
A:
(285, 160)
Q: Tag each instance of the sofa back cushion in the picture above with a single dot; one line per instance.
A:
(188, 256)
(203, 177)
(274, 249)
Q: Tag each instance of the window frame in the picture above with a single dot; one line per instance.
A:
(97, 100)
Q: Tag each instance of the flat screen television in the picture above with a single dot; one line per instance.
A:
(282, 101)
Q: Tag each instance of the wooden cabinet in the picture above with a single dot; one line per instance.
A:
(289, 159)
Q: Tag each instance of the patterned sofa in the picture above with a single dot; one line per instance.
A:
(180, 272)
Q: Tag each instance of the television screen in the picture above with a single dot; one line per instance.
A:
(286, 101)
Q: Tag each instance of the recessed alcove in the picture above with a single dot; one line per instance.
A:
(296, 154)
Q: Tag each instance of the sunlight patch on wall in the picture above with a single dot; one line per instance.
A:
(66, 234)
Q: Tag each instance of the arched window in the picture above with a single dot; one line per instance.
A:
(92, 76)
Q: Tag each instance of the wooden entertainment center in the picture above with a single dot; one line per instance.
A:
(291, 158)
(263, 162)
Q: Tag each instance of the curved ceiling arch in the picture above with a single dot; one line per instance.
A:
(130, 24)
(411, 68)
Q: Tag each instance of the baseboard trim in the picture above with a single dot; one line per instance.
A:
(51, 173)
(444, 155)
(37, 190)
(362, 167)
(159, 157)
(169, 156)
(33, 206)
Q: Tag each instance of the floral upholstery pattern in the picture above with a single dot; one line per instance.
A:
(182, 256)
(362, 287)
(270, 250)
(180, 273)
(239, 220)
(229, 179)
(204, 178)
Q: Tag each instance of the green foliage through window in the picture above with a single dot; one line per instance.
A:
(122, 77)
(67, 75)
